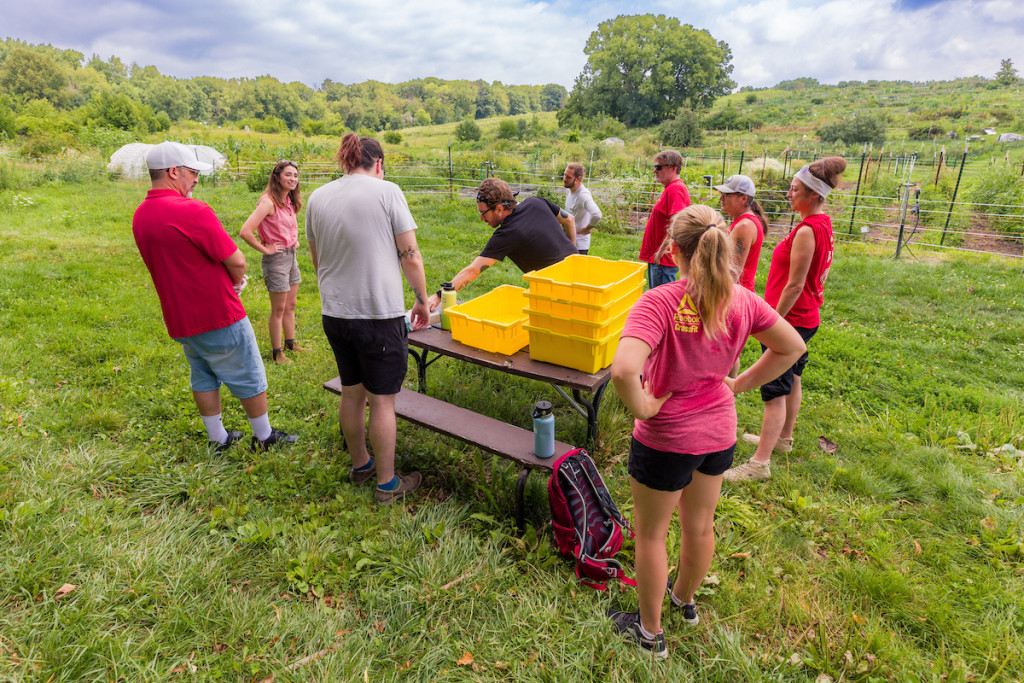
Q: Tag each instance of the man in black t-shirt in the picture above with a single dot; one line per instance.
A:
(534, 233)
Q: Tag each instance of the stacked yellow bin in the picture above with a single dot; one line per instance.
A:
(577, 309)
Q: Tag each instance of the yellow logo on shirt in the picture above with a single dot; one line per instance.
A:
(687, 319)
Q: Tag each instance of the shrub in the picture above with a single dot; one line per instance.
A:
(685, 130)
(859, 129)
(258, 177)
(467, 130)
(507, 129)
(392, 137)
(998, 193)
(45, 144)
(573, 135)
(271, 124)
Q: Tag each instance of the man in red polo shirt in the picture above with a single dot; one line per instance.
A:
(674, 198)
(198, 272)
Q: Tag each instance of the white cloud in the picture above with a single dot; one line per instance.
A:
(523, 41)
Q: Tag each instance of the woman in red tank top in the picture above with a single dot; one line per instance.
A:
(795, 287)
(273, 230)
(749, 222)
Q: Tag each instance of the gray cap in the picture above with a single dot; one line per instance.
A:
(171, 154)
(740, 184)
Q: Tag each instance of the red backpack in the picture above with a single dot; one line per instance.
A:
(588, 526)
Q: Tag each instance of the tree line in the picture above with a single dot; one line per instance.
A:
(41, 80)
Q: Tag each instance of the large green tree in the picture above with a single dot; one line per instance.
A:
(642, 68)
(33, 76)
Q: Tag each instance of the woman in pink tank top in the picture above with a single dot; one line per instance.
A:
(273, 230)
(795, 287)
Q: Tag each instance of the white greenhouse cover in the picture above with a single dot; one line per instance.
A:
(130, 160)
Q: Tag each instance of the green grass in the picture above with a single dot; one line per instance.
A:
(902, 549)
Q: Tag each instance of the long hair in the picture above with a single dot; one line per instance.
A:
(358, 152)
(275, 190)
(703, 240)
(755, 208)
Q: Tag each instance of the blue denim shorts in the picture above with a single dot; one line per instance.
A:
(658, 275)
(228, 355)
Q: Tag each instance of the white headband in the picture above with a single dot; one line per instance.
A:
(808, 179)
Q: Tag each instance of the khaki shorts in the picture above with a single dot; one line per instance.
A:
(281, 270)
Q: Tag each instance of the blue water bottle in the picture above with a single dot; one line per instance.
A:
(543, 430)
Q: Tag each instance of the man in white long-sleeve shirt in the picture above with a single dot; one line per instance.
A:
(580, 203)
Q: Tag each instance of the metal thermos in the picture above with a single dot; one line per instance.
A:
(543, 430)
(449, 297)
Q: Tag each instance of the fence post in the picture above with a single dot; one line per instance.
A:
(451, 187)
(743, 153)
(856, 192)
(956, 189)
(725, 151)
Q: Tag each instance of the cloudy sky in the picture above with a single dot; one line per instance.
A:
(521, 41)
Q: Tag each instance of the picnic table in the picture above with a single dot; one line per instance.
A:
(439, 342)
(485, 432)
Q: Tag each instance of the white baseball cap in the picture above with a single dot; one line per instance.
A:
(171, 154)
(737, 184)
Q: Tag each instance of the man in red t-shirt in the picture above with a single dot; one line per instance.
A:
(674, 198)
(198, 272)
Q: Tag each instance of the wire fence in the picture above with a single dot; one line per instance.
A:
(898, 216)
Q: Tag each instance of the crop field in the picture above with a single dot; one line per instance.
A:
(131, 552)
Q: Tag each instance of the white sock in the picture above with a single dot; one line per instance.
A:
(261, 426)
(644, 632)
(215, 428)
(678, 602)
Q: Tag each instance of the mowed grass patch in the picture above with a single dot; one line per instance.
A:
(895, 557)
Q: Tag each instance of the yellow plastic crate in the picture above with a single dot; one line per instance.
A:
(492, 322)
(572, 351)
(587, 280)
(587, 312)
(579, 328)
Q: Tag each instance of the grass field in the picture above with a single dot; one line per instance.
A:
(899, 557)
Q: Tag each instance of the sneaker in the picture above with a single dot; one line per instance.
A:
(781, 446)
(218, 447)
(363, 476)
(689, 609)
(407, 483)
(628, 624)
(751, 470)
(277, 437)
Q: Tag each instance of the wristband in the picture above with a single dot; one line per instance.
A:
(438, 294)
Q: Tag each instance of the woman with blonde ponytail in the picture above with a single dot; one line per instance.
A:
(670, 370)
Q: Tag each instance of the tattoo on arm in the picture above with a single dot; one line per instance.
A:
(408, 253)
(483, 268)
(739, 246)
(420, 297)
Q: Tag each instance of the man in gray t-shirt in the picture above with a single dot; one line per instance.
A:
(580, 203)
(362, 239)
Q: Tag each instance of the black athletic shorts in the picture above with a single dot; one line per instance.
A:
(783, 385)
(374, 353)
(666, 471)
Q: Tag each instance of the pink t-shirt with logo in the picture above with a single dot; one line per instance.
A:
(701, 415)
